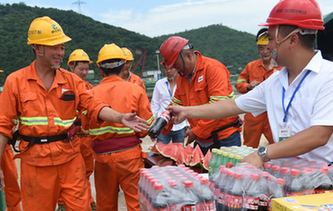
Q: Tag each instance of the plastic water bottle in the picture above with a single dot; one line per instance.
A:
(252, 195)
(159, 202)
(265, 192)
(225, 158)
(175, 196)
(306, 180)
(160, 124)
(278, 191)
(218, 162)
(223, 190)
(212, 162)
(325, 182)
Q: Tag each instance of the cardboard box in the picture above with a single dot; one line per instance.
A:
(320, 202)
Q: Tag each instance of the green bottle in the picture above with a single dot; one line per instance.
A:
(218, 160)
(231, 159)
(212, 162)
(225, 158)
(238, 158)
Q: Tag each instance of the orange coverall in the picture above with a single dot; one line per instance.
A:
(12, 189)
(56, 169)
(117, 149)
(134, 79)
(255, 126)
(86, 151)
(210, 83)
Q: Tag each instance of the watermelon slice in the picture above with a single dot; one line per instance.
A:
(196, 157)
(153, 149)
(175, 151)
(165, 149)
(206, 159)
(183, 157)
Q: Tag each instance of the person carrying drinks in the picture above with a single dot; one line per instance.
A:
(78, 63)
(202, 81)
(44, 98)
(298, 99)
(117, 148)
(254, 73)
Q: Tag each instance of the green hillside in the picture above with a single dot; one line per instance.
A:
(229, 46)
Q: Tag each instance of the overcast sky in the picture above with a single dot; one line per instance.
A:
(158, 17)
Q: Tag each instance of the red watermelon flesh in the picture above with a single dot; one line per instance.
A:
(175, 150)
(183, 157)
(165, 149)
(206, 159)
(153, 149)
(196, 156)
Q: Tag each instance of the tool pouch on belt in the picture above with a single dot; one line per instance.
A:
(215, 135)
(67, 136)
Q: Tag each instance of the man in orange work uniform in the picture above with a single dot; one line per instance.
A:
(126, 73)
(44, 98)
(12, 189)
(254, 73)
(79, 64)
(118, 153)
(203, 81)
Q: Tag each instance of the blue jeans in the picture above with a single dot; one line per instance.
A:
(233, 140)
(176, 136)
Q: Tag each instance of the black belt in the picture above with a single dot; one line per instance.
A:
(77, 123)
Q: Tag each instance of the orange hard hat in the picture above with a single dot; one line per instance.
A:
(171, 48)
(301, 13)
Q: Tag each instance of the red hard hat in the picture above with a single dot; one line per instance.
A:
(301, 13)
(171, 48)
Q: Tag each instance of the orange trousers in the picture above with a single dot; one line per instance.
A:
(12, 189)
(118, 169)
(41, 187)
(87, 154)
(254, 127)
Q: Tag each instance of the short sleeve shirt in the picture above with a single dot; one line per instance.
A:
(311, 106)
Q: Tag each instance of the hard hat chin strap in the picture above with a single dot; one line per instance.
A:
(278, 43)
(182, 55)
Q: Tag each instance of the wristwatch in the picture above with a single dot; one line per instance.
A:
(262, 151)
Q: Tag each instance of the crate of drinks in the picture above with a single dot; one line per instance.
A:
(174, 188)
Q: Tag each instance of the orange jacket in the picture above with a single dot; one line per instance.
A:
(210, 83)
(254, 71)
(78, 127)
(123, 97)
(134, 79)
(45, 113)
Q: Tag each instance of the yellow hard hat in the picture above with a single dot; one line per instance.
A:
(1, 71)
(128, 54)
(263, 39)
(110, 51)
(45, 31)
(78, 55)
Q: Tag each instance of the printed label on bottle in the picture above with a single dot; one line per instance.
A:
(263, 200)
(165, 115)
(251, 203)
(308, 192)
(191, 208)
(208, 206)
(163, 209)
(221, 198)
(294, 194)
(234, 201)
(211, 185)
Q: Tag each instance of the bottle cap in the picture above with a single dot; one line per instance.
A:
(267, 165)
(225, 153)
(229, 165)
(158, 186)
(172, 183)
(203, 181)
(188, 184)
(255, 176)
(264, 174)
(214, 150)
(280, 181)
(294, 172)
(219, 152)
(231, 155)
(238, 176)
(324, 170)
(238, 157)
(285, 170)
(276, 168)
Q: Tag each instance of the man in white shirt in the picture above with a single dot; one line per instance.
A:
(164, 91)
(298, 99)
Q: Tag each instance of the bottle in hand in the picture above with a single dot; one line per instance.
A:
(160, 124)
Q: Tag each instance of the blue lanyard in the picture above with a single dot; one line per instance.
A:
(292, 97)
(168, 88)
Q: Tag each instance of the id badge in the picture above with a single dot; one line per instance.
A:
(284, 132)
